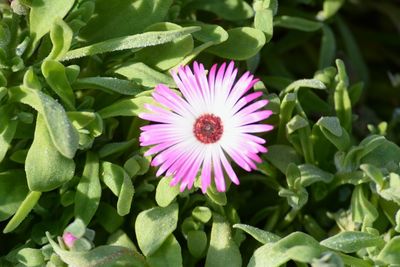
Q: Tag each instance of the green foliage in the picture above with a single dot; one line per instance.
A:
(75, 75)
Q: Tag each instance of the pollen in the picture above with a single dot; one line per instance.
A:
(208, 128)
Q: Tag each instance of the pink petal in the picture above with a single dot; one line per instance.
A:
(206, 173)
(228, 168)
(255, 128)
(218, 174)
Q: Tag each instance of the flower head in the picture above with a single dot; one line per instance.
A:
(69, 239)
(210, 124)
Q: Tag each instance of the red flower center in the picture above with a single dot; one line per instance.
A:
(208, 128)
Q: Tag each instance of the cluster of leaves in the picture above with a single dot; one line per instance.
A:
(74, 75)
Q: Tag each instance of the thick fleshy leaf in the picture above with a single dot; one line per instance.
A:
(13, 189)
(223, 251)
(209, 33)
(61, 38)
(226, 9)
(297, 246)
(197, 242)
(123, 17)
(250, 41)
(281, 156)
(152, 221)
(126, 107)
(56, 77)
(105, 256)
(46, 168)
(350, 242)
(88, 191)
(165, 56)
(263, 21)
(119, 182)
(297, 23)
(62, 133)
(261, 236)
(108, 85)
(8, 126)
(165, 193)
(23, 210)
(43, 15)
(129, 42)
(390, 253)
(168, 255)
(142, 74)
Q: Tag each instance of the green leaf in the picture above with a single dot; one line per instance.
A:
(222, 251)
(334, 132)
(311, 174)
(250, 41)
(227, 9)
(30, 257)
(125, 196)
(129, 42)
(307, 83)
(142, 74)
(126, 107)
(31, 80)
(61, 38)
(168, 255)
(46, 168)
(261, 236)
(77, 228)
(8, 127)
(202, 214)
(390, 253)
(281, 156)
(383, 154)
(81, 119)
(102, 256)
(123, 17)
(328, 47)
(329, 9)
(297, 23)
(209, 32)
(296, 123)
(349, 242)
(44, 14)
(62, 133)
(132, 166)
(297, 246)
(108, 85)
(56, 77)
(120, 238)
(362, 210)
(293, 175)
(374, 174)
(88, 191)
(11, 181)
(22, 212)
(108, 217)
(217, 197)
(165, 193)
(197, 243)
(341, 97)
(165, 56)
(3, 90)
(263, 21)
(391, 188)
(115, 148)
(149, 222)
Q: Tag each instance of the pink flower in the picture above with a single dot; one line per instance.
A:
(214, 119)
(69, 239)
